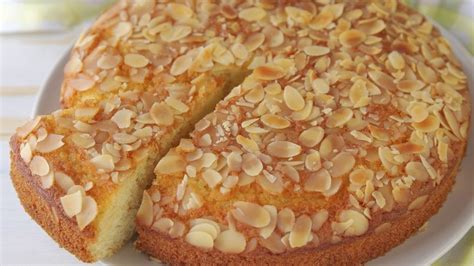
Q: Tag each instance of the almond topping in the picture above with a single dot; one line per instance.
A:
(136, 60)
(371, 27)
(313, 161)
(145, 212)
(212, 177)
(81, 84)
(104, 161)
(319, 181)
(339, 117)
(248, 144)
(72, 203)
(122, 118)
(293, 99)
(320, 86)
(285, 220)
(283, 149)
(251, 164)
(200, 239)
(275, 121)
(316, 50)
(87, 214)
(39, 166)
(360, 224)
(410, 85)
(170, 164)
(269, 72)
(301, 231)
(342, 164)
(175, 33)
(63, 180)
(418, 111)
(51, 143)
(179, 11)
(319, 218)
(299, 15)
(162, 114)
(417, 170)
(163, 225)
(266, 231)
(322, 20)
(180, 65)
(351, 38)
(273, 243)
(83, 140)
(418, 202)
(230, 241)
(207, 228)
(251, 214)
(26, 129)
(311, 136)
(234, 161)
(252, 14)
(430, 124)
(361, 176)
(396, 60)
(26, 153)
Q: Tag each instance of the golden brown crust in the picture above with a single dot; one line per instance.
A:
(351, 251)
(43, 207)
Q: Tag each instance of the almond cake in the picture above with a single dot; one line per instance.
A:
(271, 132)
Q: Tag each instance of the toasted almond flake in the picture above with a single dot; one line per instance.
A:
(319, 181)
(316, 50)
(26, 153)
(74, 65)
(418, 111)
(234, 161)
(179, 11)
(72, 203)
(121, 29)
(177, 230)
(371, 27)
(255, 95)
(47, 181)
(301, 231)
(417, 170)
(339, 117)
(82, 140)
(86, 113)
(136, 60)
(163, 225)
(342, 164)
(360, 223)
(273, 243)
(252, 14)
(452, 121)
(351, 38)
(401, 194)
(358, 94)
(322, 20)
(426, 73)
(209, 228)
(361, 176)
(122, 118)
(124, 138)
(429, 168)
(104, 161)
(230, 241)
(269, 72)
(311, 136)
(212, 177)
(379, 198)
(430, 124)
(175, 33)
(293, 99)
(248, 144)
(251, 164)
(170, 164)
(63, 180)
(200, 239)
(360, 136)
(251, 214)
(28, 127)
(408, 148)
(299, 15)
(291, 172)
(108, 61)
(318, 219)
(145, 212)
(81, 84)
(396, 60)
(239, 50)
(443, 151)
(275, 121)
(378, 133)
(383, 227)
(418, 202)
(410, 85)
(285, 220)
(39, 166)
(313, 161)
(180, 65)
(162, 114)
(283, 149)
(266, 231)
(320, 86)
(87, 214)
(254, 41)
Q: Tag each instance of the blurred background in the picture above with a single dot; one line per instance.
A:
(34, 34)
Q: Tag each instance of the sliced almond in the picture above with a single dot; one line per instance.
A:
(39, 166)
(136, 60)
(170, 164)
(251, 214)
(28, 127)
(207, 228)
(88, 213)
(266, 231)
(396, 60)
(418, 202)
(63, 180)
(163, 225)
(234, 161)
(339, 117)
(252, 14)
(180, 65)
(51, 143)
(248, 144)
(230, 241)
(319, 181)
(351, 38)
(269, 72)
(430, 124)
(122, 118)
(273, 243)
(104, 161)
(251, 164)
(417, 170)
(72, 203)
(212, 177)
(361, 176)
(285, 220)
(162, 114)
(283, 149)
(316, 50)
(275, 121)
(318, 219)
(301, 231)
(418, 111)
(26, 153)
(145, 212)
(360, 223)
(175, 33)
(293, 99)
(179, 11)
(200, 239)
(311, 136)
(342, 164)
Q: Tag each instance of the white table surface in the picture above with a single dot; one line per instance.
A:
(25, 62)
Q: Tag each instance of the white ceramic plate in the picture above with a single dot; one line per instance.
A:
(444, 229)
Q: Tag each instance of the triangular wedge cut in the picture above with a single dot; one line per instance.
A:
(337, 132)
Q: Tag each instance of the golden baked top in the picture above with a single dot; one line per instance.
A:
(352, 114)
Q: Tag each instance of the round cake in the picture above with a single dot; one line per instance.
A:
(338, 131)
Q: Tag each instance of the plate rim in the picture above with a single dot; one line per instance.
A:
(461, 54)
